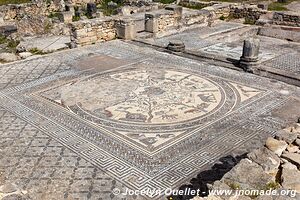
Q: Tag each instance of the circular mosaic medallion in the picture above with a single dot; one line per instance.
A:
(143, 96)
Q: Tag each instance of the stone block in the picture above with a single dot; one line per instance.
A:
(1, 18)
(263, 6)
(99, 14)
(91, 9)
(8, 29)
(70, 8)
(66, 17)
(176, 9)
(151, 23)
(126, 29)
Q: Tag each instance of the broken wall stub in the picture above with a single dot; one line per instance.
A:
(126, 29)
(161, 21)
(249, 58)
(92, 31)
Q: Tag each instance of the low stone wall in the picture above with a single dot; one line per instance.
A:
(196, 17)
(250, 12)
(287, 18)
(272, 167)
(92, 31)
(166, 21)
(195, 3)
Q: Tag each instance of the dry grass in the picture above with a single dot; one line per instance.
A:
(5, 2)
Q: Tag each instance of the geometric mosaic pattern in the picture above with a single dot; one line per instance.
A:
(45, 168)
(137, 153)
(289, 62)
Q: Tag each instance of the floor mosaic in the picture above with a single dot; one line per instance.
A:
(170, 117)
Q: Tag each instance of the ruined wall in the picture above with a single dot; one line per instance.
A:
(166, 22)
(286, 18)
(249, 12)
(92, 31)
(195, 18)
(15, 12)
(195, 3)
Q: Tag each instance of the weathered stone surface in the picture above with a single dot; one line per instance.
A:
(291, 179)
(292, 148)
(46, 43)
(34, 25)
(8, 188)
(289, 165)
(286, 136)
(126, 29)
(292, 157)
(248, 174)
(297, 142)
(66, 17)
(14, 197)
(8, 57)
(277, 146)
(267, 159)
(25, 55)
(249, 58)
(176, 45)
(251, 49)
(264, 197)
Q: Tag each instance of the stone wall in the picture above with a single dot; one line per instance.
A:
(166, 21)
(197, 17)
(195, 3)
(249, 12)
(92, 31)
(161, 21)
(16, 12)
(287, 18)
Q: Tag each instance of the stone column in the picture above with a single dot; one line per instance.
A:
(249, 57)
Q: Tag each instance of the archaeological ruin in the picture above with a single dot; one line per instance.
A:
(149, 100)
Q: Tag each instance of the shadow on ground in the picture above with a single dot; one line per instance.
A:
(216, 172)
